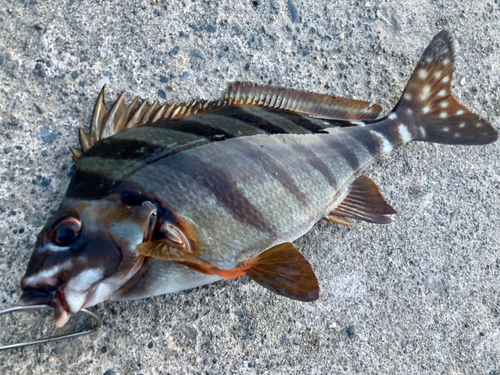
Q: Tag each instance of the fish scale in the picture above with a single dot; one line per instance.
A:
(285, 207)
(174, 196)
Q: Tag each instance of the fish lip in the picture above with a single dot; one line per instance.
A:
(54, 299)
(31, 297)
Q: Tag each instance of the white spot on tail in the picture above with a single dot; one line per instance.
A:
(442, 93)
(425, 92)
(457, 135)
(446, 61)
(446, 79)
(359, 123)
(479, 125)
(45, 274)
(444, 104)
(386, 145)
(438, 75)
(405, 134)
(460, 112)
(446, 129)
(422, 74)
(426, 109)
(409, 111)
(393, 116)
(462, 125)
(443, 115)
(422, 131)
(407, 96)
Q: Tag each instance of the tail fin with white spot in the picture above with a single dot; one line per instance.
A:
(428, 108)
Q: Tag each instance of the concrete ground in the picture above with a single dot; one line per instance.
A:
(419, 296)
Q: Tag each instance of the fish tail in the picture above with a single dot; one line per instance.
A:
(427, 110)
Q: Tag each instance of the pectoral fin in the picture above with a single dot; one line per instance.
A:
(281, 269)
(364, 202)
(284, 271)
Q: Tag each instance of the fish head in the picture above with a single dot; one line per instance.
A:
(86, 252)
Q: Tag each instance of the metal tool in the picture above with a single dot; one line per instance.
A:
(96, 318)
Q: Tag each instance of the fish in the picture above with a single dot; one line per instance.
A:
(174, 196)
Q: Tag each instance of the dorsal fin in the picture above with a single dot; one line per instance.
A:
(316, 105)
(108, 122)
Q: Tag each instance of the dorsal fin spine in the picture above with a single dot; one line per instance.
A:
(110, 126)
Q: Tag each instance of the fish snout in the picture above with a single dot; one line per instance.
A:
(38, 296)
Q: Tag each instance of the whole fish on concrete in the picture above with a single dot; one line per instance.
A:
(171, 197)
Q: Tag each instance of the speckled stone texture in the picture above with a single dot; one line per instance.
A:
(419, 296)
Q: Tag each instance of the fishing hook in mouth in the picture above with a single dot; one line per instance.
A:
(93, 315)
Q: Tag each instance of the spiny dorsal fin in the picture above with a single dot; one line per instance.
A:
(316, 105)
(108, 122)
(364, 202)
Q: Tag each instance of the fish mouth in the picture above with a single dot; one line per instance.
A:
(52, 298)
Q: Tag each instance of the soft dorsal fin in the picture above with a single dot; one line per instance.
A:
(281, 269)
(108, 122)
(316, 105)
(364, 202)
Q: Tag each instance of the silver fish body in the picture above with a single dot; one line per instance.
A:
(205, 190)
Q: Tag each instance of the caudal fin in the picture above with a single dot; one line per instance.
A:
(428, 108)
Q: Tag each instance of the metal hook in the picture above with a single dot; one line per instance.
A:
(49, 339)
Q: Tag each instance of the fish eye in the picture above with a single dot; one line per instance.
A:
(66, 231)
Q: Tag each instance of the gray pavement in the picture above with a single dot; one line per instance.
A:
(420, 296)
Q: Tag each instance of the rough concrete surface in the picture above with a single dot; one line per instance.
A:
(419, 296)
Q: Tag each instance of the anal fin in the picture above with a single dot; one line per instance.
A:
(281, 269)
(337, 219)
(364, 202)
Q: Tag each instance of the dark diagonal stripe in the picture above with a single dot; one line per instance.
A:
(88, 185)
(222, 186)
(265, 161)
(127, 149)
(345, 152)
(362, 135)
(316, 162)
(239, 113)
(190, 126)
(300, 120)
(388, 128)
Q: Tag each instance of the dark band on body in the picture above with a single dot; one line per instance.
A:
(345, 152)
(189, 126)
(239, 113)
(264, 160)
(363, 136)
(316, 162)
(301, 120)
(222, 186)
(127, 149)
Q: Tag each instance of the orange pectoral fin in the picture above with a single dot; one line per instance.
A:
(281, 269)
(284, 271)
(162, 249)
